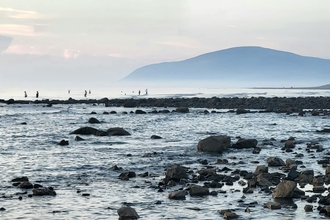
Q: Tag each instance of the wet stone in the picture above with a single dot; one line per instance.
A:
(308, 208)
(272, 205)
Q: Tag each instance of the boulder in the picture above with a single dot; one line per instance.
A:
(325, 211)
(196, 190)
(306, 177)
(25, 185)
(261, 169)
(214, 144)
(77, 138)
(176, 172)
(178, 195)
(182, 109)
(242, 111)
(117, 131)
(275, 161)
(245, 143)
(290, 162)
(63, 143)
(43, 191)
(90, 131)
(20, 179)
(140, 112)
(289, 144)
(263, 179)
(155, 137)
(272, 205)
(292, 174)
(284, 189)
(93, 120)
(127, 175)
(308, 208)
(327, 170)
(230, 215)
(127, 213)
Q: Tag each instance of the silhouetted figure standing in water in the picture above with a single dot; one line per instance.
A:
(25, 94)
(37, 94)
(139, 92)
(69, 91)
(146, 91)
(90, 92)
(85, 93)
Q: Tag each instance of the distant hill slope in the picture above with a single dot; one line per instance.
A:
(250, 64)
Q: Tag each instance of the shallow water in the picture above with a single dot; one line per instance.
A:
(31, 150)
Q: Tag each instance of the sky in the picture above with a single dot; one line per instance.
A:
(46, 42)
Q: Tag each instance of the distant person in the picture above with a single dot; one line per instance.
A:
(37, 94)
(69, 91)
(139, 92)
(146, 91)
(90, 92)
(25, 94)
(85, 93)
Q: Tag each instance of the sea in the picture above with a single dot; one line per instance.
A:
(87, 187)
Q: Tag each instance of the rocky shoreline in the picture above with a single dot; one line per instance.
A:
(275, 104)
(285, 178)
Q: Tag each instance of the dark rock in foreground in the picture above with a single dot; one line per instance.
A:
(116, 131)
(284, 190)
(245, 143)
(90, 131)
(63, 143)
(44, 192)
(126, 213)
(214, 144)
(178, 195)
(93, 120)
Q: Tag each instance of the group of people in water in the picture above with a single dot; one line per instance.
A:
(85, 94)
(26, 95)
(138, 92)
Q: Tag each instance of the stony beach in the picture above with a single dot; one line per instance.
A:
(264, 158)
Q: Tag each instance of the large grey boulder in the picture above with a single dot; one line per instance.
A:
(117, 131)
(245, 143)
(93, 120)
(178, 195)
(44, 191)
(196, 190)
(176, 172)
(90, 131)
(284, 190)
(272, 205)
(214, 144)
(261, 169)
(127, 213)
(275, 162)
(182, 109)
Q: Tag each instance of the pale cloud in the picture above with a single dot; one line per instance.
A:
(232, 26)
(115, 55)
(178, 44)
(22, 14)
(16, 29)
(23, 49)
(16, 10)
(69, 54)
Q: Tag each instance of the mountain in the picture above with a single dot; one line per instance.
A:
(250, 66)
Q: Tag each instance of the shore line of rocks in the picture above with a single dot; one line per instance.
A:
(274, 104)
